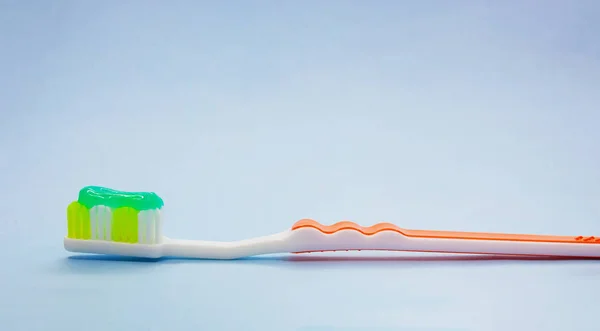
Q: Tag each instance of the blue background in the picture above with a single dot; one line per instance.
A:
(246, 116)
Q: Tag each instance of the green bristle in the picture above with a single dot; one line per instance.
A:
(78, 221)
(125, 225)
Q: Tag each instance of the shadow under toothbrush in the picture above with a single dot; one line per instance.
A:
(306, 258)
(95, 264)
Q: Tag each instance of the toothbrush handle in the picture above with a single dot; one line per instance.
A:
(311, 236)
(196, 249)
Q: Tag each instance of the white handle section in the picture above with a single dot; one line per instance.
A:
(276, 243)
(309, 239)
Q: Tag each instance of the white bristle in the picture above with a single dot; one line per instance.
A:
(158, 229)
(100, 221)
(144, 218)
(148, 225)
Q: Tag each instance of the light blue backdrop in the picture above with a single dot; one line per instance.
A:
(246, 116)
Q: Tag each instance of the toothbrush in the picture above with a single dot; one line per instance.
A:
(107, 221)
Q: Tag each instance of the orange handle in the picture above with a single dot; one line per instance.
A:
(379, 227)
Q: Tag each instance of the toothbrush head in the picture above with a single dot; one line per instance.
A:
(104, 214)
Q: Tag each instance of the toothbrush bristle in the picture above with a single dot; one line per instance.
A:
(109, 215)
